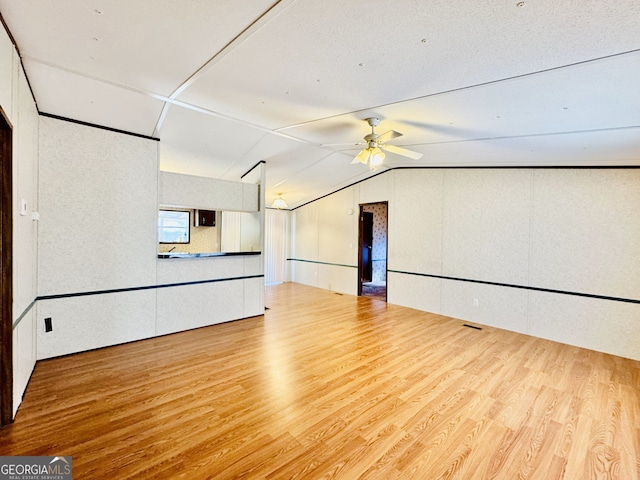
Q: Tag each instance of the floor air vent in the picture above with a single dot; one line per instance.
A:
(471, 326)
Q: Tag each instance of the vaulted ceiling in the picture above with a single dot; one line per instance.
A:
(225, 84)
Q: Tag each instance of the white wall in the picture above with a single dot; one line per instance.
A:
(324, 244)
(194, 304)
(570, 230)
(99, 277)
(98, 214)
(18, 105)
(205, 193)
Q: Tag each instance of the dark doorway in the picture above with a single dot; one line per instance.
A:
(372, 251)
(6, 274)
(366, 246)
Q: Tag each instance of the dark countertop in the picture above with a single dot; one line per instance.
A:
(204, 254)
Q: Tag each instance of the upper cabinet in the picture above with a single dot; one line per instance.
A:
(205, 218)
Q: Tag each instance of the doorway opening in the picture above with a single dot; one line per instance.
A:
(372, 250)
(6, 274)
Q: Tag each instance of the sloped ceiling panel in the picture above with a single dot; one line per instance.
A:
(551, 101)
(619, 147)
(81, 98)
(153, 45)
(318, 59)
(322, 177)
(194, 137)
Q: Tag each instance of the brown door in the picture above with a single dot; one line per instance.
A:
(6, 285)
(365, 264)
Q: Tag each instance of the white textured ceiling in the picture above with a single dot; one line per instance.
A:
(225, 84)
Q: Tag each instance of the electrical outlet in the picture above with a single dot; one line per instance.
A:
(475, 302)
(48, 326)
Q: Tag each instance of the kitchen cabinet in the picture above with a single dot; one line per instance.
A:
(205, 218)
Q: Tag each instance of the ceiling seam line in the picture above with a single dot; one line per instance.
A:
(123, 86)
(252, 28)
(293, 175)
(459, 89)
(529, 135)
(169, 101)
(213, 113)
(241, 157)
(249, 30)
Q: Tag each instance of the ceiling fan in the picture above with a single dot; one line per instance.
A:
(376, 145)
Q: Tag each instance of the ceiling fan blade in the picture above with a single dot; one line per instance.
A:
(402, 151)
(386, 136)
(352, 144)
(362, 157)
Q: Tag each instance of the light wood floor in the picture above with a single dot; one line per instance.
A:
(335, 386)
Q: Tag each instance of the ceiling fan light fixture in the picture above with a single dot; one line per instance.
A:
(372, 155)
(279, 203)
(376, 156)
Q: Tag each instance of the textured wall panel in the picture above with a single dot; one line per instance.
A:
(415, 221)
(338, 279)
(305, 241)
(585, 231)
(250, 200)
(194, 306)
(178, 270)
(305, 273)
(504, 228)
(601, 325)
(85, 323)
(375, 189)
(337, 228)
(253, 264)
(486, 224)
(253, 289)
(191, 191)
(413, 291)
(501, 307)
(98, 209)
(462, 223)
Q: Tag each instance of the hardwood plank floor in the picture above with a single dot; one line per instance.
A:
(335, 386)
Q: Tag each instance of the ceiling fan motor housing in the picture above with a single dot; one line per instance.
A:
(371, 139)
(373, 121)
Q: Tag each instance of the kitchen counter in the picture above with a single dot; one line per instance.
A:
(204, 254)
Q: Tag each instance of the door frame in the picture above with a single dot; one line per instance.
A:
(6, 271)
(386, 253)
(360, 246)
